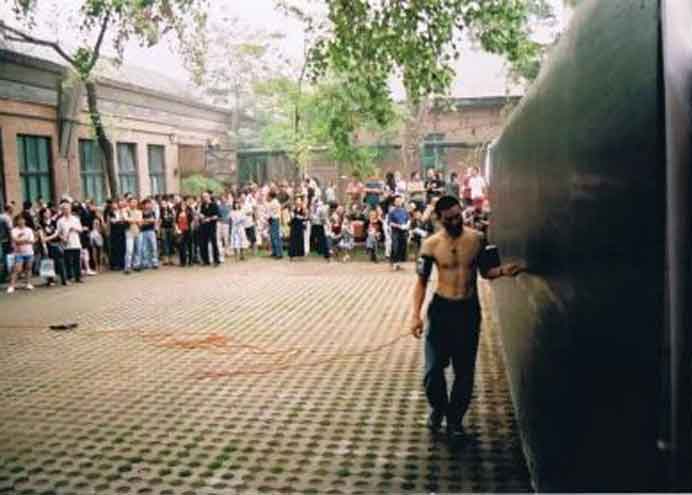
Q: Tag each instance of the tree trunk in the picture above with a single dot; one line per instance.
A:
(104, 143)
(412, 138)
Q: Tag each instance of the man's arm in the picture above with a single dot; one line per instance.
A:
(490, 267)
(424, 266)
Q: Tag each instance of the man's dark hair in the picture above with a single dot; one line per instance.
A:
(63, 201)
(445, 203)
(27, 205)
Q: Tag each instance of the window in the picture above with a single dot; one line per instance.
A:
(127, 168)
(157, 169)
(434, 153)
(91, 164)
(33, 155)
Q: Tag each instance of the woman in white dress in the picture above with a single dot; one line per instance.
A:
(238, 237)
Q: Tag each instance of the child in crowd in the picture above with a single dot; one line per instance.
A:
(346, 242)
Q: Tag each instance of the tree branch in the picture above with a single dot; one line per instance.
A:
(22, 37)
(99, 41)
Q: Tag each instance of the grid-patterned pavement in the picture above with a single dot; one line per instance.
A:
(260, 376)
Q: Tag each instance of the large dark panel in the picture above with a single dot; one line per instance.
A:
(676, 22)
(579, 176)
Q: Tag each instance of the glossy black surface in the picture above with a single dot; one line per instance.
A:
(579, 182)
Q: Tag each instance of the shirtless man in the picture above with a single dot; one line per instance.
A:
(454, 315)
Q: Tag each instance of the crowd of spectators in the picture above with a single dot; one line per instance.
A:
(66, 242)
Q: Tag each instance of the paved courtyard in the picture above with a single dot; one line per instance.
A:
(261, 376)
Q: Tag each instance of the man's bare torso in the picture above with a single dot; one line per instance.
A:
(456, 261)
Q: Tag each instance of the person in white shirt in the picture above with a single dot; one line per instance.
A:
(23, 242)
(478, 186)
(69, 228)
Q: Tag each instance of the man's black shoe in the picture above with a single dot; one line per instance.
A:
(434, 422)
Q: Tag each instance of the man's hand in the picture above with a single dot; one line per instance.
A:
(416, 327)
(512, 269)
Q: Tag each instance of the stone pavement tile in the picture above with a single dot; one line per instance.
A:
(254, 377)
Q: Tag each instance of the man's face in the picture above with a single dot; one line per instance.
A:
(205, 197)
(133, 204)
(66, 209)
(452, 220)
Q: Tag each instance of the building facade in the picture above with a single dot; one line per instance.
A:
(47, 145)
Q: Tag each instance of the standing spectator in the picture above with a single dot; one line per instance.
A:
(335, 222)
(389, 185)
(274, 216)
(50, 238)
(346, 242)
(183, 226)
(478, 187)
(330, 193)
(29, 214)
(401, 186)
(399, 223)
(69, 229)
(118, 235)
(374, 230)
(87, 215)
(23, 240)
(296, 246)
(466, 188)
(319, 219)
(133, 217)
(196, 227)
(429, 185)
(373, 191)
(354, 191)
(238, 236)
(147, 237)
(452, 187)
(97, 245)
(167, 214)
(416, 190)
(249, 208)
(284, 195)
(439, 184)
(418, 231)
(209, 216)
(223, 230)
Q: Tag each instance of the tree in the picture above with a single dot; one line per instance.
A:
(118, 21)
(330, 117)
(370, 42)
(237, 58)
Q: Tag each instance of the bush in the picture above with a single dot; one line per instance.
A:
(197, 184)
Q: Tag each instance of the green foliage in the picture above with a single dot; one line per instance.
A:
(196, 184)
(323, 117)
(419, 40)
(370, 42)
